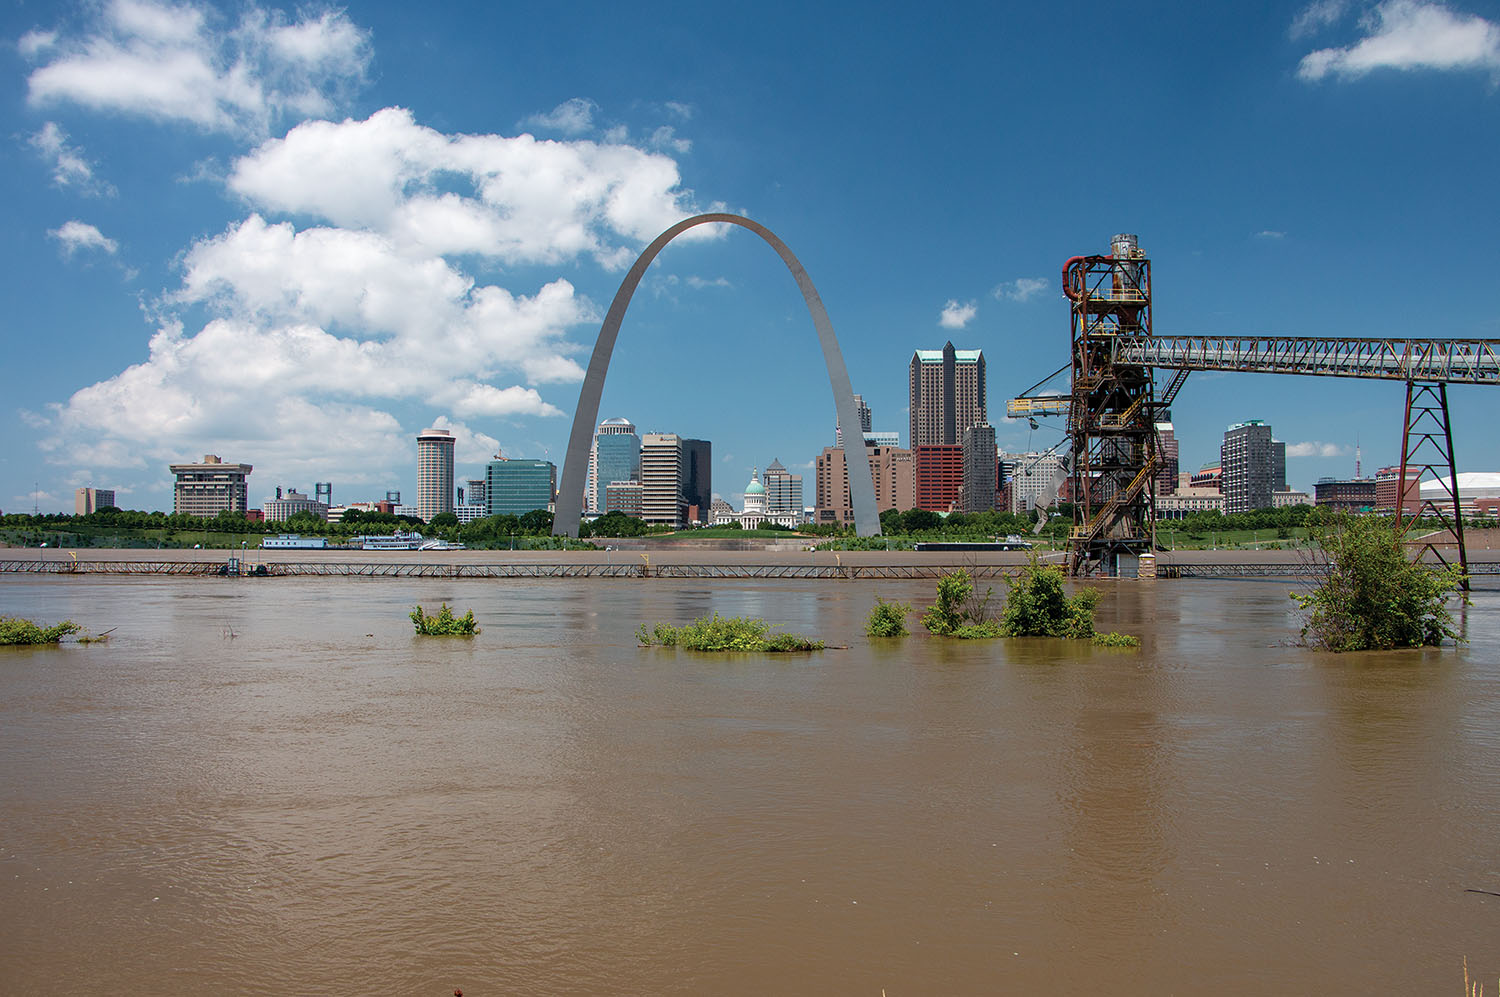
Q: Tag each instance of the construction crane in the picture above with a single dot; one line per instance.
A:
(1113, 406)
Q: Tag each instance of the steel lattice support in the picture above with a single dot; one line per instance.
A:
(1111, 414)
(1427, 449)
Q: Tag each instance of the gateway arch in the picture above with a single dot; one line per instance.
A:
(569, 507)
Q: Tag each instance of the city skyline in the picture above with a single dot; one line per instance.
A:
(400, 219)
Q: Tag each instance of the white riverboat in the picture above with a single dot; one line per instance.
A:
(293, 541)
(406, 541)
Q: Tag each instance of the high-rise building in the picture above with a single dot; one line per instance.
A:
(697, 478)
(940, 476)
(473, 492)
(981, 462)
(783, 490)
(210, 488)
(661, 479)
(1387, 485)
(87, 500)
(434, 473)
(1248, 457)
(1166, 456)
(615, 456)
(947, 395)
(864, 421)
(890, 469)
(514, 487)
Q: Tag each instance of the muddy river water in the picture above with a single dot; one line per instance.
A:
(273, 787)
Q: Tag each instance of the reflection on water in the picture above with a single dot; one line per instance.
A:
(271, 786)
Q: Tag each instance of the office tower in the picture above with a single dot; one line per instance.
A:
(661, 478)
(783, 490)
(210, 488)
(615, 456)
(1247, 457)
(623, 496)
(981, 461)
(515, 487)
(434, 473)
(947, 395)
(87, 500)
(697, 478)
(1166, 457)
(864, 421)
(940, 476)
(1388, 484)
(892, 473)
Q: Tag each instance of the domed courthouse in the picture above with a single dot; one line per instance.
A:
(755, 512)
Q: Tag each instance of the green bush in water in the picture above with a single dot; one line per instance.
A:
(724, 633)
(444, 624)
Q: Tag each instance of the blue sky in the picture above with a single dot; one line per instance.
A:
(295, 236)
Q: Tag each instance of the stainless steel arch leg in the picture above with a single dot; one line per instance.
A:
(586, 416)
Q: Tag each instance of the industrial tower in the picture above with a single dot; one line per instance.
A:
(1112, 411)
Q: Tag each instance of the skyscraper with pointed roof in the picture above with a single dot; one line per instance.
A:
(947, 395)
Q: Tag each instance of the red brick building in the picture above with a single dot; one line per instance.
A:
(940, 476)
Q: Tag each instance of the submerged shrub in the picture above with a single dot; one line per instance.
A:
(1116, 640)
(18, 631)
(444, 624)
(887, 619)
(724, 633)
(1371, 597)
(1037, 606)
(959, 612)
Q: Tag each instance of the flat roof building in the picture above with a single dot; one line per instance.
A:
(210, 488)
(515, 487)
(661, 479)
(87, 500)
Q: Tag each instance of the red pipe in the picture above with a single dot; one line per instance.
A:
(1068, 287)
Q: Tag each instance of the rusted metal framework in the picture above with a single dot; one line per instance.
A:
(1111, 413)
(1427, 447)
(1113, 409)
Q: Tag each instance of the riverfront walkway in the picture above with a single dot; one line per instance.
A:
(697, 563)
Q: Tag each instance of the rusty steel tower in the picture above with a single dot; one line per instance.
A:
(1112, 411)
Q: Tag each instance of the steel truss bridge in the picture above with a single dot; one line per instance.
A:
(416, 569)
(1114, 406)
(1450, 361)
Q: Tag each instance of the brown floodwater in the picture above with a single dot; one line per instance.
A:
(273, 787)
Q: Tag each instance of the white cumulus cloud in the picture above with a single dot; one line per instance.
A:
(1316, 16)
(574, 116)
(70, 169)
(1315, 448)
(516, 199)
(77, 237)
(956, 315)
(1020, 289)
(185, 63)
(343, 298)
(1410, 34)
